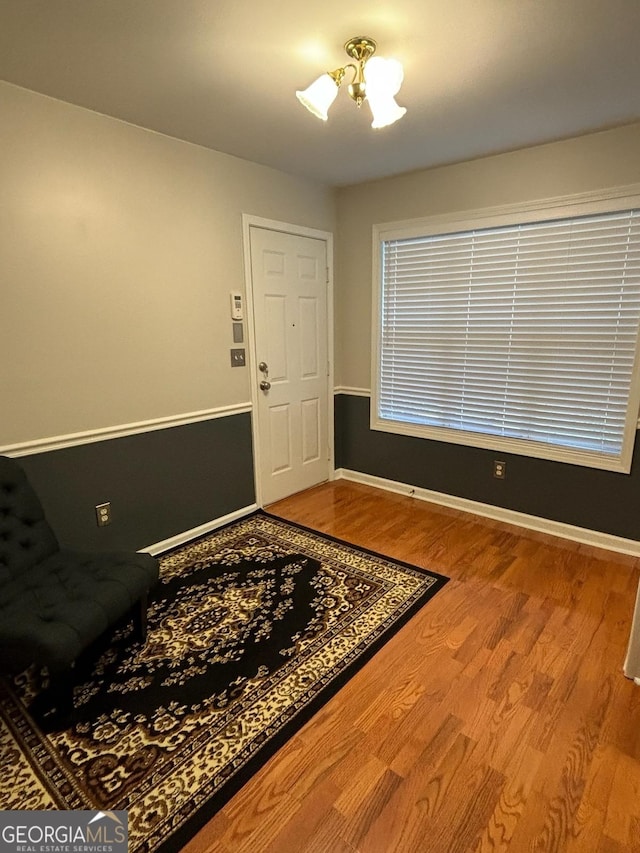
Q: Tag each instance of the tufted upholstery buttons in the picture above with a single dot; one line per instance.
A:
(54, 602)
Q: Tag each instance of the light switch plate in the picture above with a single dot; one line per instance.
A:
(237, 358)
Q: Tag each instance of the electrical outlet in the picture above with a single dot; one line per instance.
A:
(103, 514)
(499, 469)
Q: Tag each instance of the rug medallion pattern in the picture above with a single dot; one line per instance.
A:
(251, 628)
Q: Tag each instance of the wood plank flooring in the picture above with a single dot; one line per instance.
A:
(497, 719)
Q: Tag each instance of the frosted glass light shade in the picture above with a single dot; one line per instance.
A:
(319, 96)
(385, 110)
(383, 76)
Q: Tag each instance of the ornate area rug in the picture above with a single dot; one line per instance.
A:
(251, 629)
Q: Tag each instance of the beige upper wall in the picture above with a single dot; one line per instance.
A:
(588, 163)
(118, 250)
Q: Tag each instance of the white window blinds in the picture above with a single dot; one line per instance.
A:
(523, 332)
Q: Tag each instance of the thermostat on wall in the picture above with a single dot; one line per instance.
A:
(236, 306)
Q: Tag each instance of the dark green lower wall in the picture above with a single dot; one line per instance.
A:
(585, 497)
(165, 482)
(159, 483)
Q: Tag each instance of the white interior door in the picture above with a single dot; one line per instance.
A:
(289, 285)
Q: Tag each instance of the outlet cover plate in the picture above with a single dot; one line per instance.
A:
(499, 469)
(103, 514)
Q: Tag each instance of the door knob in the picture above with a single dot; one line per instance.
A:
(265, 385)
(263, 367)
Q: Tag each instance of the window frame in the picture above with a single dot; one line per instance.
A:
(606, 201)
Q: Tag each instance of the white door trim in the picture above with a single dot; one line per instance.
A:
(248, 220)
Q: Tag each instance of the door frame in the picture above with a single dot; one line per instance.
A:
(249, 221)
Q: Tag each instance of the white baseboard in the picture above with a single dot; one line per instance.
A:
(195, 532)
(510, 516)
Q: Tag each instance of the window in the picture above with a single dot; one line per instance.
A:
(519, 333)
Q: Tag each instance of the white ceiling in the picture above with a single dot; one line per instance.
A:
(481, 76)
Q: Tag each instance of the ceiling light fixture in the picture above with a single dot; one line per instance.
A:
(376, 80)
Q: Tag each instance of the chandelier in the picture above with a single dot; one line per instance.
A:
(375, 80)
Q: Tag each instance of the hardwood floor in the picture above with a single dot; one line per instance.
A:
(497, 719)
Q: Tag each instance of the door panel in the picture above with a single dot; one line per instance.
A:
(280, 438)
(273, 263)
(276, 334)
(311, 430)
(309, 338)
(308, 267)
(289, 285)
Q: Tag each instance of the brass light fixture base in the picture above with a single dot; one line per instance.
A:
(360, 48)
